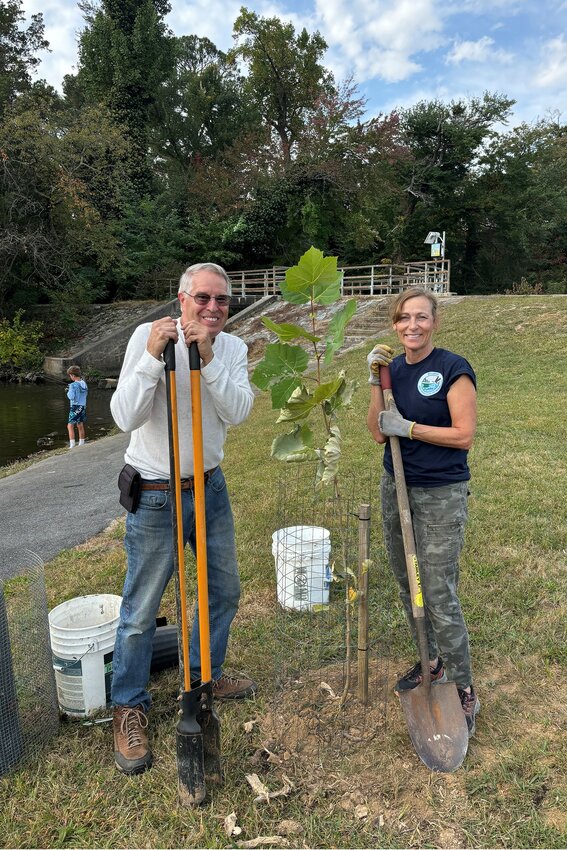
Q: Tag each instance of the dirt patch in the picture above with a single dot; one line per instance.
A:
(359, 760)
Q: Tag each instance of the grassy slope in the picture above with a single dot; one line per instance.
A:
(512, 790)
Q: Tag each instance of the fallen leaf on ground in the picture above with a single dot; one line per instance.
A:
(264, 794)
(249, 725)
(272, 758)
(325, 687)
(264, 841)
(230, 825)
(257, 785)
(289, 827)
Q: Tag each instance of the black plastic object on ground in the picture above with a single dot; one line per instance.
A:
(165, 648)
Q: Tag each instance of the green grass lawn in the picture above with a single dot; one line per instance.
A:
(355, 780)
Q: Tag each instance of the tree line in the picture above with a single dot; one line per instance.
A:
(163, 150)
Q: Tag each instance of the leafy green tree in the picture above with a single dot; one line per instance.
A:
(518, 227)
(125, 55)
(444, 142)
(285, 74)
(18, 48)
(152, 237)
(201, 108)
(19, 346)
(298, 394)
(60, 173)
(304, 396)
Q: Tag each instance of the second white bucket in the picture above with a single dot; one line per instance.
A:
(82, 632)
(303, 575)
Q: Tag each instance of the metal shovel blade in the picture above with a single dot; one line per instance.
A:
(210, 724)
(437, 725)
(190, 754)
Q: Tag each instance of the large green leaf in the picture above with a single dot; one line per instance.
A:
(293, 297)
(336, 330)
(298, 406)
(314, 275)
(327, 390)
(287, 332)
(280, 361)
(329, 456)
(296, 446)
(342, 397)
(282, 390)
(302, 402)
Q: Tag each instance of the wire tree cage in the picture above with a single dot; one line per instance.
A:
(29, 713)
(332, 662)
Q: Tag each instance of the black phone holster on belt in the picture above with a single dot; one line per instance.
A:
(130, 486)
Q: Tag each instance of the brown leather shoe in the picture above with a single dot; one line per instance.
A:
(231, 687)
(131, 749)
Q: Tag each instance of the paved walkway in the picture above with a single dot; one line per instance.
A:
(59, 502)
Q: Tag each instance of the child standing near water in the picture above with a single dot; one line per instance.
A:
(77, 394)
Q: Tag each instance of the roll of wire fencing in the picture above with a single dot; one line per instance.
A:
(29, 713)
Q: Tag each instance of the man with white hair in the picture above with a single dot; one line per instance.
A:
(139, 405)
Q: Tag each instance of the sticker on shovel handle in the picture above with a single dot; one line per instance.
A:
(419, 595)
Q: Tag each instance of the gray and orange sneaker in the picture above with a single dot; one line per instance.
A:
(414, 677)
(471, 707)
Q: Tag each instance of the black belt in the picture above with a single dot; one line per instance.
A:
(186, 483)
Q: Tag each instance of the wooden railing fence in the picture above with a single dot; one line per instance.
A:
(357, 280)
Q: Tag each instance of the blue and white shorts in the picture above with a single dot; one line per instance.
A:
(78, 413)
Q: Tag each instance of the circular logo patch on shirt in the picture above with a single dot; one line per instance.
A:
(430, 383)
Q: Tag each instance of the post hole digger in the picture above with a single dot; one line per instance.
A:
(433, 712)
(198, 728)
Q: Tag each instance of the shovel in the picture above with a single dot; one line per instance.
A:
(198, 751)
(189, 735)
(207, 717)
(434, 715)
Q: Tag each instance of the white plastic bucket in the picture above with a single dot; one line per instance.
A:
(82, 632)
(303, 576)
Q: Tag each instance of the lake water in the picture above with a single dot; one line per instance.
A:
(32, 412)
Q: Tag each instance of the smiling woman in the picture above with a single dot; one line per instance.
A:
(432, 420)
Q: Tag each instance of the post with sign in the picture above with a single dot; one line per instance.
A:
(437, 242)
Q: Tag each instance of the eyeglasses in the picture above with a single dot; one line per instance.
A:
(203, 298)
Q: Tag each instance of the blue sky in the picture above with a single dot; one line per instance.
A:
(398, 51)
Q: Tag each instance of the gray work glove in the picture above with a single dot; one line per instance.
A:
(392, 423)
(381, 355)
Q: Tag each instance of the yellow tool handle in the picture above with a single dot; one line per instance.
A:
(200, 523)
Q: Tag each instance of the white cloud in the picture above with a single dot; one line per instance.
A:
(487, 7)
(482, 50)
(380, 38)
(63, 22)
(553, 68)
(212, 19)
(398, 51)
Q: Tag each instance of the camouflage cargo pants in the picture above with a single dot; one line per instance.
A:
(439, 516)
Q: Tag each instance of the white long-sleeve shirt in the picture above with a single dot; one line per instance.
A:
(139, 404)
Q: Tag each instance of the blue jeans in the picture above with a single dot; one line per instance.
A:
(149, 547)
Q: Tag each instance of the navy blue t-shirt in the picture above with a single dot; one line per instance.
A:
(420, 392)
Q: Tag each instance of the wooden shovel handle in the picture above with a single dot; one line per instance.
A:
(412, 564)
